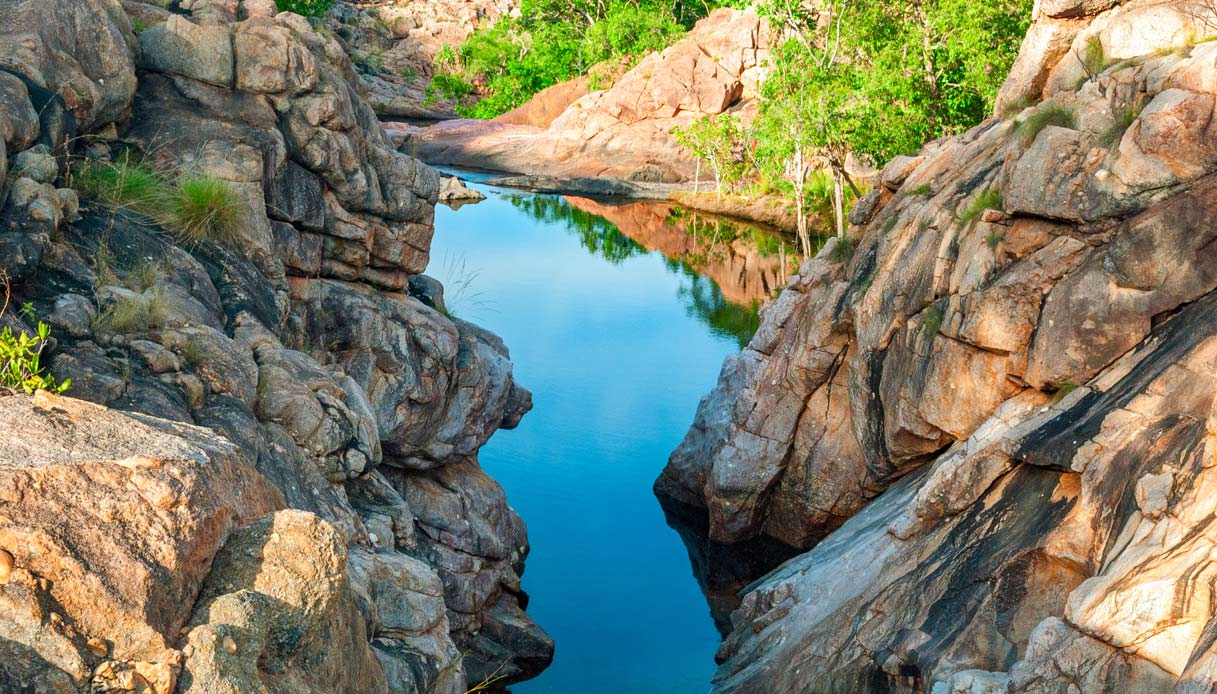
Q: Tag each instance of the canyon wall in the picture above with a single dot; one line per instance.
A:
(989, 410)
(265, 475)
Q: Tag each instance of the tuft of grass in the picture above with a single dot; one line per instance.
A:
(1052, 114)
(133, 315)
(1015, 107)
(1112, 135)
(1093, 58)
(932, 321)
(193, 207)
(843, 251)
(205, 208)
(988, 199)
(994, 239)
(924, 190)
(121, 183)
(1065, 389)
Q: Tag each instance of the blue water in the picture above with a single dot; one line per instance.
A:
(617, 354)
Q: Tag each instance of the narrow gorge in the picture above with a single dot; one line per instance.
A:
(259, 431)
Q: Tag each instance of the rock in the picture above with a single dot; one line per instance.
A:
(36, 163)
(180, 490)
(79, 49)
(178, 46)
(623, 131)
(277, 610)
(453, 192)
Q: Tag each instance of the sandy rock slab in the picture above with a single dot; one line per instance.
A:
(108, 526)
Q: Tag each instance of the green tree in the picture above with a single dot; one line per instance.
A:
(878, 78)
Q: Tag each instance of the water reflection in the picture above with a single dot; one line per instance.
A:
(722, 571)
(729, 268)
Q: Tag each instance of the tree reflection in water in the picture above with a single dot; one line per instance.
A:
(728, 268)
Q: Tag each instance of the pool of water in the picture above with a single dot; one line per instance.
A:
(617, 343)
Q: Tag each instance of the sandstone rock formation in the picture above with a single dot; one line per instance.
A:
(276, 485)
(625, 130)
(394, 44)
(994, 428)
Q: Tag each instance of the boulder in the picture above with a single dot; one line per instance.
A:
(75, 473)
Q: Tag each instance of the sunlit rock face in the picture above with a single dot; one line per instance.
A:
(993, 427)
(623, 131)
(265, 476)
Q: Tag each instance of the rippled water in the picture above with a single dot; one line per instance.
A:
(617, 343)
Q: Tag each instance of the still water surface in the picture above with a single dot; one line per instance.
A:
(617, 343)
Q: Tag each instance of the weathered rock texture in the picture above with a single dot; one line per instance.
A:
(623, 131)
(394, 44)
(276, 487)
(995, 430)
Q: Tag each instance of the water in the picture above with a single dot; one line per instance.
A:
(618, 344)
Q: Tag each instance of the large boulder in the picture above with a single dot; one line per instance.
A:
(110, 523)
(80, 49)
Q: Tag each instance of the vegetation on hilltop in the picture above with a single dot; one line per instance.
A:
(502, 66)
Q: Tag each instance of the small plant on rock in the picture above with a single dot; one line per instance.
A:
(193, 207)
(989, 199)
(1052, 114)
(1112, 135)
(21, 354)
(205, 208)
(21, 361)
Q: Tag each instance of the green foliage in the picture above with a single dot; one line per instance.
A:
(880, 78)
(1093, 58)
(505, 64)
(121, 183)
(205, 208)
(924, 190)
(718, 140)
(193, 207)
(994, 239)
(1062, 391)
(1113, 134)
(1015, 107)
(21, 361)
(931, 322)
(1051, 114)
(307, 8)
(988, 199)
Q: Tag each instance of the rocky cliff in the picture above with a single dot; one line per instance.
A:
(989, 411)
(623, 131)
(274, 483)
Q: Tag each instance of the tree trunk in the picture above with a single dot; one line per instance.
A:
(838, 201)
(697, 177)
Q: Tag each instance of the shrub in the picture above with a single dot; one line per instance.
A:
(1052, 114)
(988, 199)
(307, 8)
(205, 208)
(924, 190)
(20, 361)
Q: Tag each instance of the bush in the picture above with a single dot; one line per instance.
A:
(307, 8)
(20, 362)
(121, 183)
